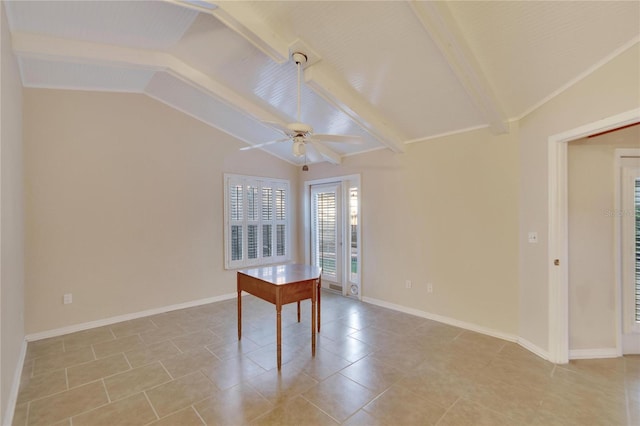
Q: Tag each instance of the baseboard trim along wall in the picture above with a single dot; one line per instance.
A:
(462, 324)
(15, 386)
(113, 320)
(593, 353)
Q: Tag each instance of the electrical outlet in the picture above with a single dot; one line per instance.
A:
(533, 237)
(67, 298)
(407, 284)
(429, 288)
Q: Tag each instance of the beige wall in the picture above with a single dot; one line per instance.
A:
(591, 172)
(612, 89)
(11, 221)
(124, 205)
(444, 212)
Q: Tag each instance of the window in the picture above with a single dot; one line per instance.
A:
(256, 221)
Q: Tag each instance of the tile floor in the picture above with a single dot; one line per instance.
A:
(373, 366)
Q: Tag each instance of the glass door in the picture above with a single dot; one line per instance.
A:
(326, 233)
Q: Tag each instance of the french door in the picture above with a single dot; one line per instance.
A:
(326, 233)
(333, 239)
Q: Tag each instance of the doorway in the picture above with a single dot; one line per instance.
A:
(558, 295)
(332, 240)
(629, 243)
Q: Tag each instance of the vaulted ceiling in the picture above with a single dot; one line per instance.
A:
(393, 72)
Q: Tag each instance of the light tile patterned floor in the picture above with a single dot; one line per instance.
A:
(373, 366)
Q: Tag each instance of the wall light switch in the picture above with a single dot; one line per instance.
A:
(68, 298)
(533, 237)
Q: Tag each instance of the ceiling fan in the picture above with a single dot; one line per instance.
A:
(300, 133)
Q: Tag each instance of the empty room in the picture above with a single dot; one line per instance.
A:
(319, 213)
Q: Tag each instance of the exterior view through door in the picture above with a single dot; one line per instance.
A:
(630, 226)
(334, 239)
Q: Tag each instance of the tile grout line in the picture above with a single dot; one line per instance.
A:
(447, 410)
(150, 404)
(198, 414)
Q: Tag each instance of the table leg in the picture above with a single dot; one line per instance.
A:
(313, 319)
(298, 311)
(239, 311)
(279, 333)
(319, 292)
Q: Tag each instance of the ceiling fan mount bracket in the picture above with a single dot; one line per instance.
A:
(299, 129)
(299, 58)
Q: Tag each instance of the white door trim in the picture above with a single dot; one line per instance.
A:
(558, 231)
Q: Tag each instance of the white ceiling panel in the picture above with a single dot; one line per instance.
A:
(389, 71)
(143, 24)
(67, 75)
(253, 75)
(194, 102)
(382, 51)
(530, 49)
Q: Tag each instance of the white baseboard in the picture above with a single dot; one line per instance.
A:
(445, 320)
(126, 317)
(542, 353)
(593, 353)
(15, 387)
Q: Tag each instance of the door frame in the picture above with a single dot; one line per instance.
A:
(306, 210)
(622, 330)
(558, 231)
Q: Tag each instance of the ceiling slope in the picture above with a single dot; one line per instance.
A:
(391, 72)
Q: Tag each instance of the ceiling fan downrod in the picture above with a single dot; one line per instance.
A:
(300, 59)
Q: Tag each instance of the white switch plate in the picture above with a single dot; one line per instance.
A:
(533, 237)
(68, 298)
(407, 284)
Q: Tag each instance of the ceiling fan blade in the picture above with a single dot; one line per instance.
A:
(281, 127)
(260, 145)
(350, 139)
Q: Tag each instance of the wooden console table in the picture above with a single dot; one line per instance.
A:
(280, 285)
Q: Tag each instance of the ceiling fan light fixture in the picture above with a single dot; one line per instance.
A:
(299, 148)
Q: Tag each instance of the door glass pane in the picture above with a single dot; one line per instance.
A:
(326, 232)
(353, 235)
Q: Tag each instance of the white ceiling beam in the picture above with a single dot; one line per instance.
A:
(327, 153)
(241, 18)
(341, 95)
(437, 20)
(59, 49)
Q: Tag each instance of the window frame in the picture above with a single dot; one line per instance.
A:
(235, 180)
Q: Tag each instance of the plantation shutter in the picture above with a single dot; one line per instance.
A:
(257, 221)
